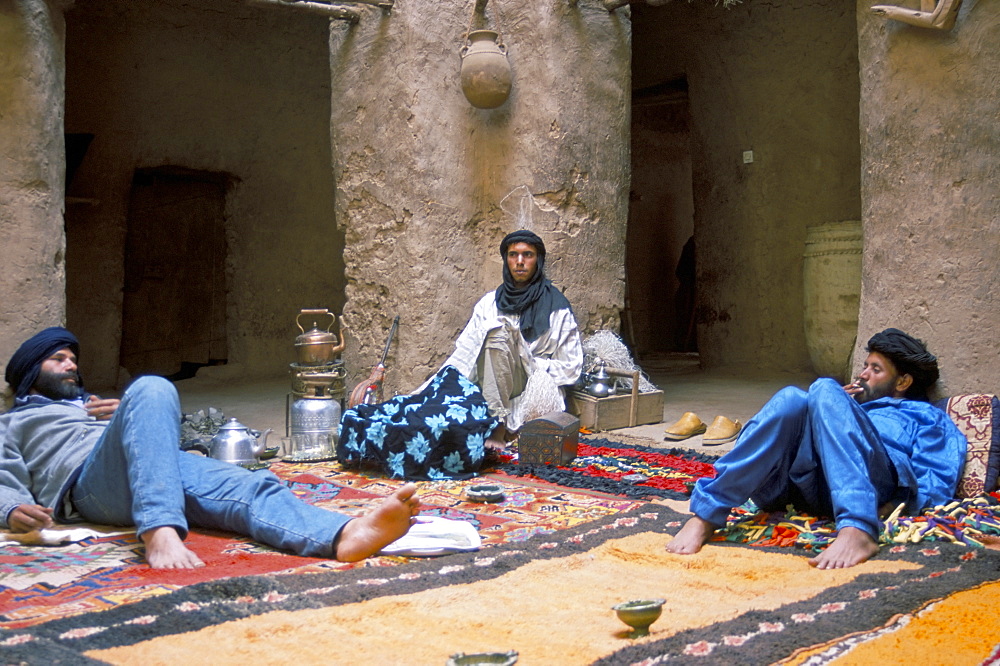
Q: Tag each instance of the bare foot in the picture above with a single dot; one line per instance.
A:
(166, 550)
(365, 536)
(852, 546)
(692, 537)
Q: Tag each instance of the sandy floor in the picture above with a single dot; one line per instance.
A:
(730, 392)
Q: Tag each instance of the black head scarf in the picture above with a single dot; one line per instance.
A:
(22, 370)
(910, 356)
(535, 301)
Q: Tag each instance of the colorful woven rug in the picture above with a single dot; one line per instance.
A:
(547, 599)
(972, 522)
(631, 470)
(38, 584)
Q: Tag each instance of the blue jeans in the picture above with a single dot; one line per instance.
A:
(137, 475)
(816, 450)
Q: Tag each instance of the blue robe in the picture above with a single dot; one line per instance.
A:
(823, 452)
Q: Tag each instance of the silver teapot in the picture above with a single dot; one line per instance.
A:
(235, 443)
(601, 385)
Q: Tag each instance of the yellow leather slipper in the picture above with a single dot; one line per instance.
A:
(721, 431)
(689, 425)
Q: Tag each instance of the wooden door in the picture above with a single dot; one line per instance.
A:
(174, 310)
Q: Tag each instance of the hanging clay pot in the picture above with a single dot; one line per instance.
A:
(486, 76)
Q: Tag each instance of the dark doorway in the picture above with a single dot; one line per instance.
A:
(174, 309)
(659, 264)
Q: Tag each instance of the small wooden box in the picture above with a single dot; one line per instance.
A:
(551, 439)
(618, 411)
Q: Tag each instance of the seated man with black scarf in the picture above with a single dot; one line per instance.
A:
(523, 327)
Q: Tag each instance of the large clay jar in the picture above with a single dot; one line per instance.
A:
(486, 77)
(831, 272)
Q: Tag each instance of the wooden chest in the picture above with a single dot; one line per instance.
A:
(551, 439)
(617, 411)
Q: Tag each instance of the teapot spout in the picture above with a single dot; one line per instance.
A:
(261, 445)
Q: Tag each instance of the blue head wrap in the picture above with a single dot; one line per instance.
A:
(22, 370)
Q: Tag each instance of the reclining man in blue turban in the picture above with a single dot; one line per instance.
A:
(847, 452)
(525, 326)
(69, 455)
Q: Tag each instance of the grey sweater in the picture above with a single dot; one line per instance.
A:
(43, 445)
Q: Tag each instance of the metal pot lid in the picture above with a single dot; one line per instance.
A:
(315, 336)
(233, 424)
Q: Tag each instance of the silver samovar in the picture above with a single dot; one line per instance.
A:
(316, 401)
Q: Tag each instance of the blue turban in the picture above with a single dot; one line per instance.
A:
(22, 370)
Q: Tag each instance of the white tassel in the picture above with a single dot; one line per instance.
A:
(541, 396)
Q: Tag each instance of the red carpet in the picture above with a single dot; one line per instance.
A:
(38, 584)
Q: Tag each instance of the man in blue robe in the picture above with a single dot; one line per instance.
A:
(846, 452)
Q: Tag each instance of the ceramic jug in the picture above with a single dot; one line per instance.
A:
(486, 75)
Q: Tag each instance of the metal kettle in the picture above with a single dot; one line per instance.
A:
(316, 346)
(235, 443)
(601, 385)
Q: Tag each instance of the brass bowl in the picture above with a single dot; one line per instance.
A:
(485, 492)
(483, 659)
(639, 614)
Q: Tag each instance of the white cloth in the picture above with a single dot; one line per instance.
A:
(557, 352)
(55, 536)
(433, 535)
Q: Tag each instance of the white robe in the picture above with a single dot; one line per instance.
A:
(558, 351)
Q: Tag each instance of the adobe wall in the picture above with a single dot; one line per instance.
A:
(421, 173)
(930, 118)
(32, 273)
(780, 79)
(215, 86)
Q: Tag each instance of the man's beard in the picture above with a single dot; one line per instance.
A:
(53, 385)
(873, 392)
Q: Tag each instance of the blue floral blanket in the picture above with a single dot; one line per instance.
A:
(438, 433)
